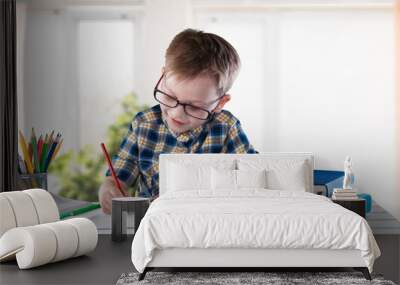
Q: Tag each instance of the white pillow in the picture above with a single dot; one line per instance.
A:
(236, 179)
(185, 175)
(282, 174)
(293, 178)
(251, 178)
(182, 177)
(223, 179)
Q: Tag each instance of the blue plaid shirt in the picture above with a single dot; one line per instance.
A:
(149, 136)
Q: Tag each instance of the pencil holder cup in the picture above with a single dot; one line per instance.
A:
(126, 214)
(29, 181)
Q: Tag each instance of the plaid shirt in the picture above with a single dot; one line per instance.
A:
(149, 136)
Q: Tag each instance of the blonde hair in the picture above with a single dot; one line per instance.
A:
(192, 53)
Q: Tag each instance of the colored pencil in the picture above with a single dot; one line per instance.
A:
(25, 153)
(38, 153)
(50, 138)
(43, 157)
(35, 151)
(110, 166)
(50, 154)
(40, 147)
(21, 165)
(30, 152)
(79, 211)
(57, 149)
(46, 139)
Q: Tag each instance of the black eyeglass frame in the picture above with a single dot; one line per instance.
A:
(210, 114)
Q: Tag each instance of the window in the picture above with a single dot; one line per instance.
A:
(248, 35)
(324, 81)
(302, 64)
(79, 80)
(105, 67)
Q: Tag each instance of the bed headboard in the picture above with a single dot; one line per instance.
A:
(211, 158)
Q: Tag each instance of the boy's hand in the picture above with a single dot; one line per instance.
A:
(109, 190)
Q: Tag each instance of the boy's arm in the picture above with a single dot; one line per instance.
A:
(125, 166)
(237, 142)
(125, 162)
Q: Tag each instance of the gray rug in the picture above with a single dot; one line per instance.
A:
(228, 278)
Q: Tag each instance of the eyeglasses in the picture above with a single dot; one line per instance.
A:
(172, 102)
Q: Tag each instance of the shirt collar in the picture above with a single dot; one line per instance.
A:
(186, 136)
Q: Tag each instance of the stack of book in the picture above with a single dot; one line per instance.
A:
(344, 194)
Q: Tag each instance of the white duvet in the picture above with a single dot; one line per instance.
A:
(250, 218)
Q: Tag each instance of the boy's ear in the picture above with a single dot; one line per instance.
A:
(225, 99)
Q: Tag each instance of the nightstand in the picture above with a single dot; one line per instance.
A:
(357, 206)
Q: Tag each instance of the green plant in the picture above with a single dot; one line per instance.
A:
(80, 174)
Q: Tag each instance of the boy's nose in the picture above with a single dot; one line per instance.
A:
(177, 113)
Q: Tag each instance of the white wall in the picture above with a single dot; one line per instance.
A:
(342, 104)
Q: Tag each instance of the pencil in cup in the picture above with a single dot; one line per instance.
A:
(37, 155)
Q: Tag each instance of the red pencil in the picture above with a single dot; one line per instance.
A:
(40, 147)
(112, 169)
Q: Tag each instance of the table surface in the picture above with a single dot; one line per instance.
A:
(102, 266)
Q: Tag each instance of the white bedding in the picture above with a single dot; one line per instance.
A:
(250, 218)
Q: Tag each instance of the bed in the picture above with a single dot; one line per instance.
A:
(245, 211)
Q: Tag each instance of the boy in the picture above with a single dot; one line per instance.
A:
(199, 69)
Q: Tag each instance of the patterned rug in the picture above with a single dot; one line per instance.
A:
(230, 278)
